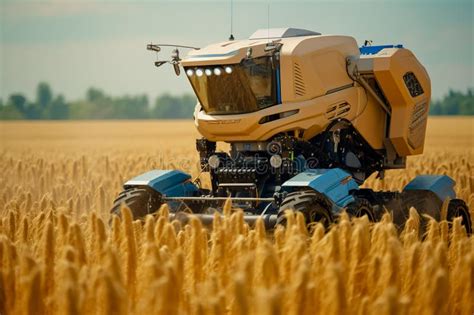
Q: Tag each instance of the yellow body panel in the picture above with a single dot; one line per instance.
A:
(371, 121)
(246, 127)
(409, 114)
(317, 89)
(317, 64)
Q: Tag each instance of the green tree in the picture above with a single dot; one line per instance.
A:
(33, 111)
(18, 101)
(454, 103)
(57, 109)
(10, 112)
(94, 95)
(44, 95)
(169, 107)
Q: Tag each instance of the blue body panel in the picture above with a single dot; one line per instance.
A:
(335, 184)
(372, 50)
(278, 85)
(441, 185)
(169, 183)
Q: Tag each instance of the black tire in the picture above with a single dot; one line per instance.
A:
(312, 204)
(360, 207)
(141, 201)
(458, 208)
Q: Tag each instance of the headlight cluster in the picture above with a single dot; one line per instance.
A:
(214, 161)
(209, 71)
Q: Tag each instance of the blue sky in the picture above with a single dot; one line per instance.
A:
(77, 44)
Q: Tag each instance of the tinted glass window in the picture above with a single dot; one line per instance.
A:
(234, 89)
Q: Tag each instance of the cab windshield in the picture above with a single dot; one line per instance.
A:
(235, 89)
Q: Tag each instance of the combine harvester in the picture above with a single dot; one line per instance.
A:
(309, 118)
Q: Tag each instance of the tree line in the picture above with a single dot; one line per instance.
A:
(454, 103)
(95, 105)
(98, 105)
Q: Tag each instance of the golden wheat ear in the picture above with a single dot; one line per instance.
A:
(57, 255)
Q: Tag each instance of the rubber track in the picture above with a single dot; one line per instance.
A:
(300, 201)
(141, 201)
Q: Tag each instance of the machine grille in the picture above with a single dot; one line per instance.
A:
(335, 111)
(413, 85)
(299, 85)
(416, 131)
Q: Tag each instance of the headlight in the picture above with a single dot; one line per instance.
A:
(214, 161)
(199, 72)
(208, 72)
(228, 70)
(217, 71)
(275, 161)
(190, 72)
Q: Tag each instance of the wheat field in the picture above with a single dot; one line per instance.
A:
(61, 253)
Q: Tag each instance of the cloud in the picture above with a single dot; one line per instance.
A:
(58, 8)
(75, 44)
(18, 10)
(117, 66)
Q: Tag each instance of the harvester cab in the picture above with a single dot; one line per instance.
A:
(309, 117)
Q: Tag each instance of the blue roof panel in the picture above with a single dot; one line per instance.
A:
(372, 50)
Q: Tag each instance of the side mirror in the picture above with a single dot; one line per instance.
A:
(153, 47)
(175, 61)
(177, 70)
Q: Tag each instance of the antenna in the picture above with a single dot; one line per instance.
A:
(268, 22)
(231, 37)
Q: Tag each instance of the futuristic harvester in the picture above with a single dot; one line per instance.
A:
(309, 118)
